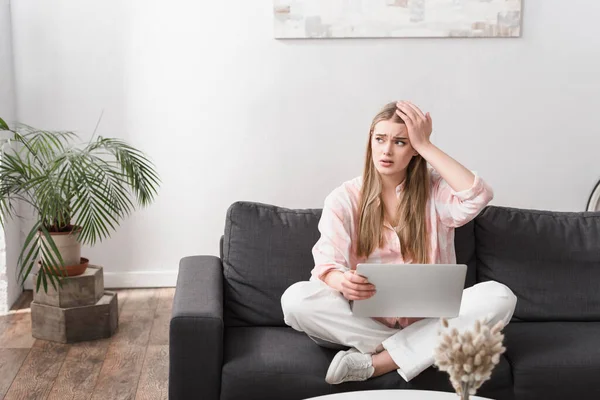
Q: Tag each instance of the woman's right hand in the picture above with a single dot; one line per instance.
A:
(356, 287)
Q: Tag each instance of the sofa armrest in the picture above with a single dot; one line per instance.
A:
(196, 330)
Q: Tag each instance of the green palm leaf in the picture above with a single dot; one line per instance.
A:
(93, 187)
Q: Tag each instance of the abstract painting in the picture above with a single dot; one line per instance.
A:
(396, 18)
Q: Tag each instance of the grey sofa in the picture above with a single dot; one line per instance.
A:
(228, 339)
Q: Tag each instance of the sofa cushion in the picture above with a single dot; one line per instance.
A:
(551, 261)
(280, 363)
(554, 360)
(266, 249)
(464, 246)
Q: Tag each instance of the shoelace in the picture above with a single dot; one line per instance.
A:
(354, 378)
(362, 363)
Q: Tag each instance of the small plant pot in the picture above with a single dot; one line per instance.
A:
(77, 269)
(67, 245)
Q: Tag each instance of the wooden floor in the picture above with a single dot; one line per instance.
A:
(132, 364)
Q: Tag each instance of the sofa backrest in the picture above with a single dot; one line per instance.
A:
(266, 249)
(550, 260)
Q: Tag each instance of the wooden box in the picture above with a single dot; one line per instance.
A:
(75, 324)
(76, 291)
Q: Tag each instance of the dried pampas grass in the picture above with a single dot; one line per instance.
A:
(469, 357)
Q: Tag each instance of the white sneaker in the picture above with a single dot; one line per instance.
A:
(350, 365)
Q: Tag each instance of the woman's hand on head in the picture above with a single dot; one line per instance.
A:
(356, 287)
(419, 125)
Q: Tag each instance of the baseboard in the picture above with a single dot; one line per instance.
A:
(134, 279)
(140, 279)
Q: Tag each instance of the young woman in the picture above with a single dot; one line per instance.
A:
(400, 211)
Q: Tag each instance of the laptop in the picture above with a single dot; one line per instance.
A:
(412, 290)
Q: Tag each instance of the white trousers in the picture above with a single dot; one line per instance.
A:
(323, 313)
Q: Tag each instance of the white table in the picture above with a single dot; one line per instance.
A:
(399, 394)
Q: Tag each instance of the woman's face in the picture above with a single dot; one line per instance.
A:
(391, 149)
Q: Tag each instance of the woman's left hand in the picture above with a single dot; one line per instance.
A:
(419, 125)
(404, 322)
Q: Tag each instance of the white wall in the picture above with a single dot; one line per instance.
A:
(9, 236)
(228, 113)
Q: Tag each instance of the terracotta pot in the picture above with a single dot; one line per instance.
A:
(68, 246)
(75, 269)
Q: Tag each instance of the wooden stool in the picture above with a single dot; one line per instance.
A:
(80, 310)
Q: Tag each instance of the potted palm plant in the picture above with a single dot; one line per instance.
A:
(80, 193)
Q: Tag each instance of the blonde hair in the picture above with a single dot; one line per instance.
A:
(410, 216)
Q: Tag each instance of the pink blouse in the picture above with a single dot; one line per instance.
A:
(446, 209)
